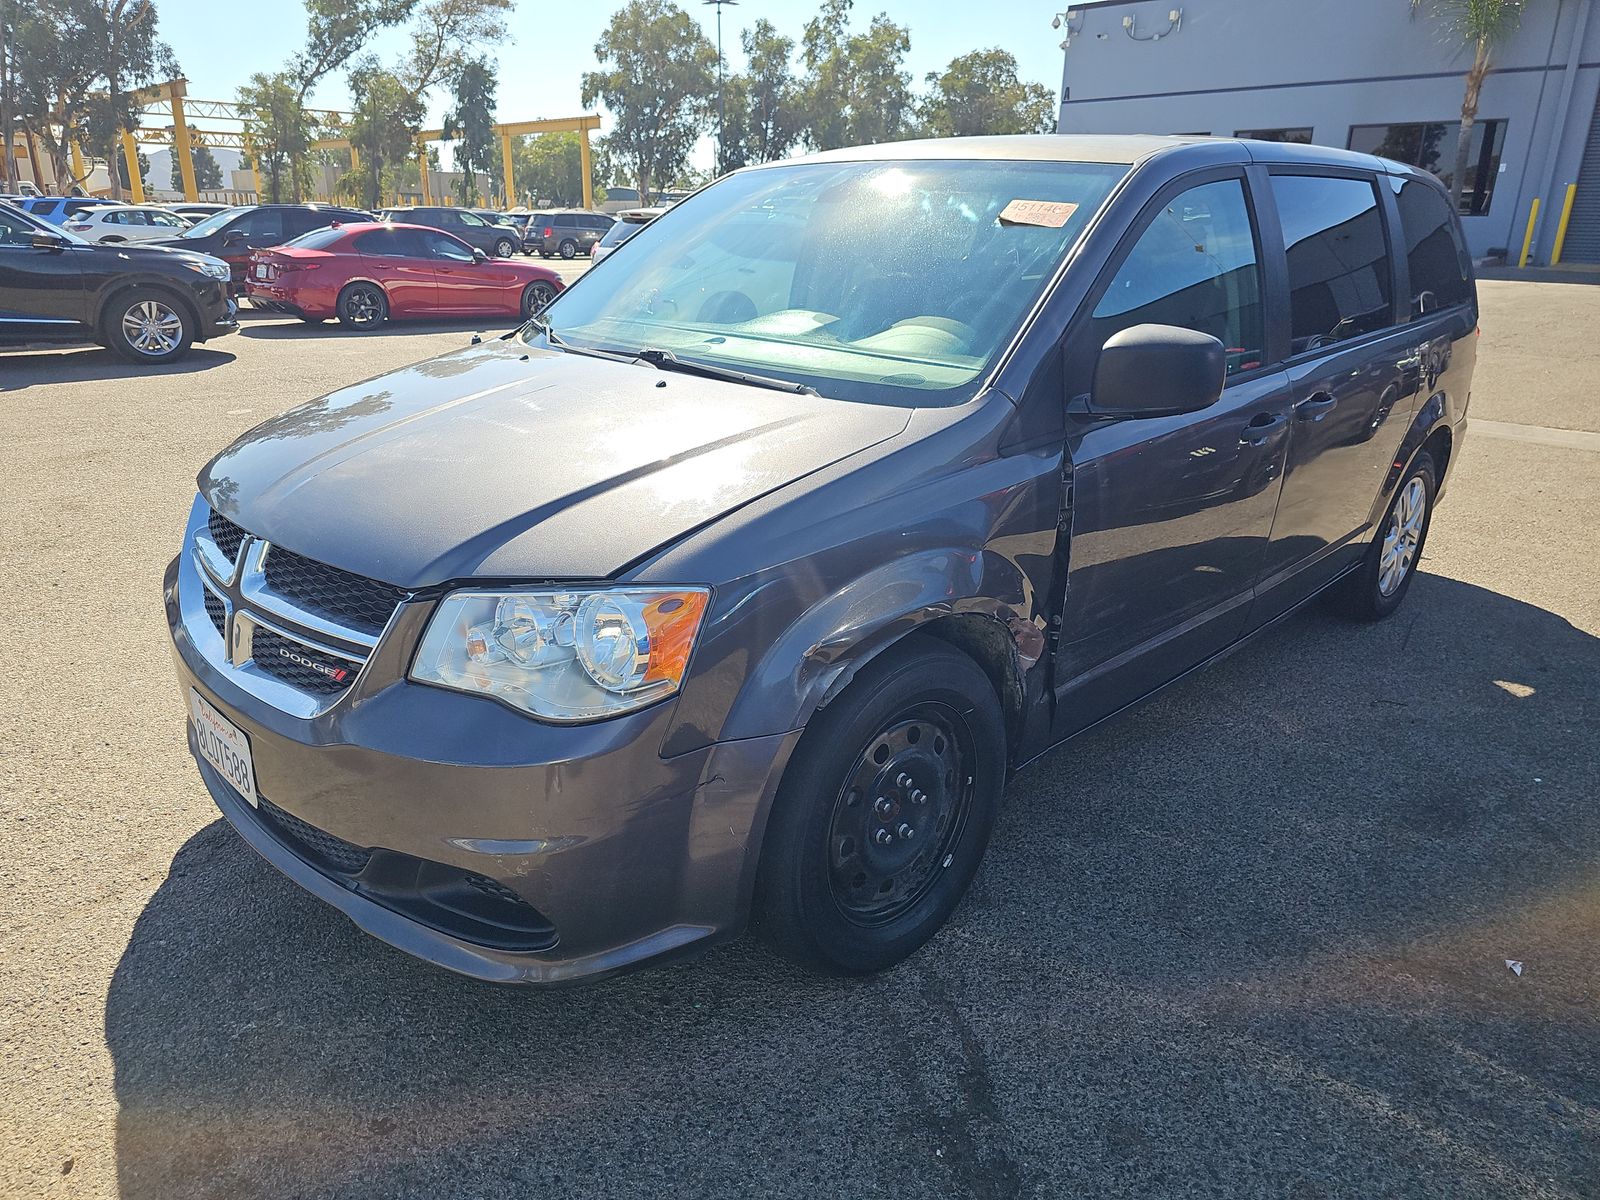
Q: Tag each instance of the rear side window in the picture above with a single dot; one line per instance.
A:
(40, 206)
(1339, 269)
(1435, 258)
(1195, 266)
(321, 239)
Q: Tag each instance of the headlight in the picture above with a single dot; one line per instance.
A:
(212, 268)
(563, 654)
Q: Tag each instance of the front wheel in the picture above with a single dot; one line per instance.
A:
(1375, 589)
(147, 326)
(505, 248)
(363, 306)
(884, 812)
(535, 297)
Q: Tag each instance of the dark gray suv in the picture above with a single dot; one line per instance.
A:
(501, 239)
(731, 589)
(568, 232)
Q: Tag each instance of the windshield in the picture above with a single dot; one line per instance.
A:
(851, 277)
(211, 224)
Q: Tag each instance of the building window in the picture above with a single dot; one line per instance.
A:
(1300, 134)
(1432, 146)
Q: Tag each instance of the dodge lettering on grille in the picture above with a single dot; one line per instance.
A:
(337, 674)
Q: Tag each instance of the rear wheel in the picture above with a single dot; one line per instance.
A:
(569, 249)
(363, 306)
(884, 812)
(505, 248)
(1375, 589)
(148, 326)
(535, 297)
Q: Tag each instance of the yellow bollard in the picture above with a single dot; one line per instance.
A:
(1527, 240)
(1561, 229)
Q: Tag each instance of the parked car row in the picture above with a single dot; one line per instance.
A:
(479, 230)
(139, 279)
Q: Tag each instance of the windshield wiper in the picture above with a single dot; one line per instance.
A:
(666, 360)
(561, 343)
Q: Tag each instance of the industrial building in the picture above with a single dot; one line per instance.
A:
(1382, 76)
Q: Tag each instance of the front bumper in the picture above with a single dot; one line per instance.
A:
(625, 856)
(218, 312)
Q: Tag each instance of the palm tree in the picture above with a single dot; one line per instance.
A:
(1481, 25)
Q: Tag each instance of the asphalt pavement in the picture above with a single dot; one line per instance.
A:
(1249, 940)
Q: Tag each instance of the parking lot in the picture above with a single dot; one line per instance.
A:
(1248, 940)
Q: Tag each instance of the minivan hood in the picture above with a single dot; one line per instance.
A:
(506, 461)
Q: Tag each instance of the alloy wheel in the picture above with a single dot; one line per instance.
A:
(363, 306)
(536, 298)
(153, 327)
(1404, 535)
(900, 813)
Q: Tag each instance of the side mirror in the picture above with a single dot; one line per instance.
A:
(233, 237)
(48, 241)
(479, 256)
(1158, 370)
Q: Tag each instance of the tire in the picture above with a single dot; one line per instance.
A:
(847, 885)
(535, 297)
(568, 249)
(362, 306)
(505, 248)
(544, 253)
(1375, 589)
(149, 326)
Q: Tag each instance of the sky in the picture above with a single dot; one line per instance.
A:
(541, 66)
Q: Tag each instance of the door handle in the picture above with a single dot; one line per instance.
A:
(1261, 428)
(1315, 407)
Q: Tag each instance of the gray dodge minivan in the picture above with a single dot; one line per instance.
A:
(729, 590)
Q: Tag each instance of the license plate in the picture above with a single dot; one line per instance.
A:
(224, 745)
(261, 271)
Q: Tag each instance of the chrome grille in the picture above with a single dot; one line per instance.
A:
(300, 665)
(339, 595)
(217, 611)
(294, 631)
(227, 536)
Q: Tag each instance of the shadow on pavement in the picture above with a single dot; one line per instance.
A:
(89, 364)
(1246, 940)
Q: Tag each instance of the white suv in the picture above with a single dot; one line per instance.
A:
(125, 223)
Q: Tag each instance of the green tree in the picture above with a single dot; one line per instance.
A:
(445, 36)
(856, 91)
(277, 126)
(734, 147)
(548, 170)
(980, 92)
(772, 103)
(336, 30)
(659, 84)
(207, 171)
(383, 129)
(470, 126)
(1479, 25)
(72, 66)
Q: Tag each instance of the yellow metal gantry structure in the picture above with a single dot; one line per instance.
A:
(582, 126)
(172, 100)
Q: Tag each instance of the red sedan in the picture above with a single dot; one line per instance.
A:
(366, 273)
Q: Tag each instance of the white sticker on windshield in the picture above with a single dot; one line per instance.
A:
(1052, 214)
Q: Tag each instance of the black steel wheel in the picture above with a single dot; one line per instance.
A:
(884, 811)
(362, 306)
(900, 810)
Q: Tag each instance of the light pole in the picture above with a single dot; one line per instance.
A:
(722, 106)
